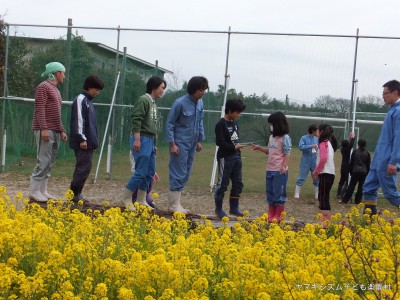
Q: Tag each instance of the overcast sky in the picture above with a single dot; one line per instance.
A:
(303, 68)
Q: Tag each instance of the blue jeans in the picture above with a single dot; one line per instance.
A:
(275, 183)
(145, 164)
(229, 168)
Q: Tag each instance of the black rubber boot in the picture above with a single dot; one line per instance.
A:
(218, 209)
(373, 209)
(339, 191)
(234, 207)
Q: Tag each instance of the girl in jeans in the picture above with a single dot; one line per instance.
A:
(278, 150)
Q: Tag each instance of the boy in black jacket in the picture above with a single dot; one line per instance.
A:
(229, 159)
(347, 146)
(83, 133)
(359, 167)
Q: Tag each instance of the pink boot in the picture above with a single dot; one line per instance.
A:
(271, 212)
(326, 218)
(278, 213)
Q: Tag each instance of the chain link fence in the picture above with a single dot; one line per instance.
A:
(312, 78)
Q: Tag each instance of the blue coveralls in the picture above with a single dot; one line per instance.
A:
(387, 151)
(184, 127)
(308, 159)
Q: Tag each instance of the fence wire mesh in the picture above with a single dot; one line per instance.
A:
(301, 75)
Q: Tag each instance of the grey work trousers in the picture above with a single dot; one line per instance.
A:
(46, 154)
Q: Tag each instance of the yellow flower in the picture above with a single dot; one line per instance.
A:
(101, 290)
(69, 195)
(125, 294)
(155, 195)
(3, 190)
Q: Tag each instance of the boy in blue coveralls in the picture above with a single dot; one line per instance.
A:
(184, 131)
(229, 158)
(308, 145)
(384, 165)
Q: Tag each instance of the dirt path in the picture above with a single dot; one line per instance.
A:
(198, 200)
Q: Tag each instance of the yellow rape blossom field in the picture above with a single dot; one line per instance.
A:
(59, 253)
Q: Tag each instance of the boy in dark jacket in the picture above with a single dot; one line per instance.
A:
(359, 168)
(83, 133)
(345, 150)
(229, 158)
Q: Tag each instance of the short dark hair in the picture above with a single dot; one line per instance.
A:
(234, 105)
(312, 128)
(362, 143)
(153, 83)
(279, 122)
(345, 143)
(393, 85)
(93, 81)
(197, 83)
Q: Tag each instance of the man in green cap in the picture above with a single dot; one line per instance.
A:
(48, 129)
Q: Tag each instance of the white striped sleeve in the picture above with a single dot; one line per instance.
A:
(79, 115)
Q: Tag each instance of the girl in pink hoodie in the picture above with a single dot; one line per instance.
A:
(325, 170)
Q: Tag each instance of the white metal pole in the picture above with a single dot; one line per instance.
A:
(354, 105)
(354, 81)
(3, 150)
(212, 181)
(5, 94)
(106, 129)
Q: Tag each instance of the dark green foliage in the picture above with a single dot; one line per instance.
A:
(21, 76)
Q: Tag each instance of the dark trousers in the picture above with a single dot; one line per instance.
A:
(344, 177)
(229, 168)
(324, 189)
(82, 170)
(355, 178)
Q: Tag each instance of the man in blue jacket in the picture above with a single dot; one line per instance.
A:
(83, 133)
(184, 132)
(384, 165)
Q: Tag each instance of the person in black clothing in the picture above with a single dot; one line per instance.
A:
(83, 133)
(229, 158)
(345, 150)
(359, 167)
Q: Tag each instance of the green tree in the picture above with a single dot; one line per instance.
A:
(82, 61)
(21, 77)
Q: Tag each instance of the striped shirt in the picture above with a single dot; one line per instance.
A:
(47, 112)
